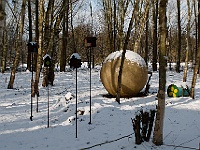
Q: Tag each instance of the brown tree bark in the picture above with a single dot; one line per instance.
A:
(147, 39)
(141, 28)
(40, 43)
(48, 44)
(2, 35)
(108, 16)
(30, 34)
(179, 39)
(155, 37)
(197, 60)
(65, 13)
(188, 43)
(4, 47)
(123, 57)
(158, 129)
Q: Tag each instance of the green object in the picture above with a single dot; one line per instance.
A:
(174, 91)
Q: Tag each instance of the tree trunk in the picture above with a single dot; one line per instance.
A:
(48, 29)
(179, 38)
(158, 129)
(4, 47)
(142, 27)
(197, 58)
(48, 46)
(108, 16)
(65, 35)
(30, 34)
(196, 33)
(123, 58)
(2, 34)
(146, 39)
(40, 43)
(155, 37)
(18, 46)
(188, 43)
(72, 27)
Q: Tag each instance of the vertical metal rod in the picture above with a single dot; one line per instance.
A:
(31, 117)
(199, 146)
(76, 107)
(37, 105)
(48, 106)
(90, 87)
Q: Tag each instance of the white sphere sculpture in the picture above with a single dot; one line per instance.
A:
(134, 75)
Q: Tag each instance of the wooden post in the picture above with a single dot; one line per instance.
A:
(151, 120)
(145, 124)
(136, 128)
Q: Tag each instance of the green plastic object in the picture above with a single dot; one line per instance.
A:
(174, 91)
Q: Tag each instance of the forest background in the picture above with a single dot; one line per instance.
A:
(65, 24)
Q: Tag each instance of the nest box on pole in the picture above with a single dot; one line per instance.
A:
(32, 47)
(47, 60)
(90, 41)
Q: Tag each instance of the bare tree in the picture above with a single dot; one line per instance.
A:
(40, 49)
(121, 15)
(179, 38)
(188, 42)
(158, 129)
(18, 46)
(123, 57)
(155, 37)
(108, 17)
(65, 27)
(146, 38)
(197, 60)
(3, 35)
(30, 34)
(2, 17)
(141, 28)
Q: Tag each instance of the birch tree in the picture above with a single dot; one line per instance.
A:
(18, 45)
(108, 17)
(123, 56)
(188, 42)
(40, 49)
(158, 129)
(197, 60)
(141, 28)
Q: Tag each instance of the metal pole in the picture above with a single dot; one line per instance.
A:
(37, 105)
(76, 107)
(48, 105)
(90, 88)
(31, 117)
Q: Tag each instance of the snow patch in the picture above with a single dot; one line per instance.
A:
(69, 96)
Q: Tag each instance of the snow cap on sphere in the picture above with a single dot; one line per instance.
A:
(130, 55)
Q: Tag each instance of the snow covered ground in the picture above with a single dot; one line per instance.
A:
(111, 126)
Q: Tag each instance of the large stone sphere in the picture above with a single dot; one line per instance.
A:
(134, 75)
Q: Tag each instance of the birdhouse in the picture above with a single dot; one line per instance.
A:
(47, 60)
(75, 61)
(32, 47)
(90, 41)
